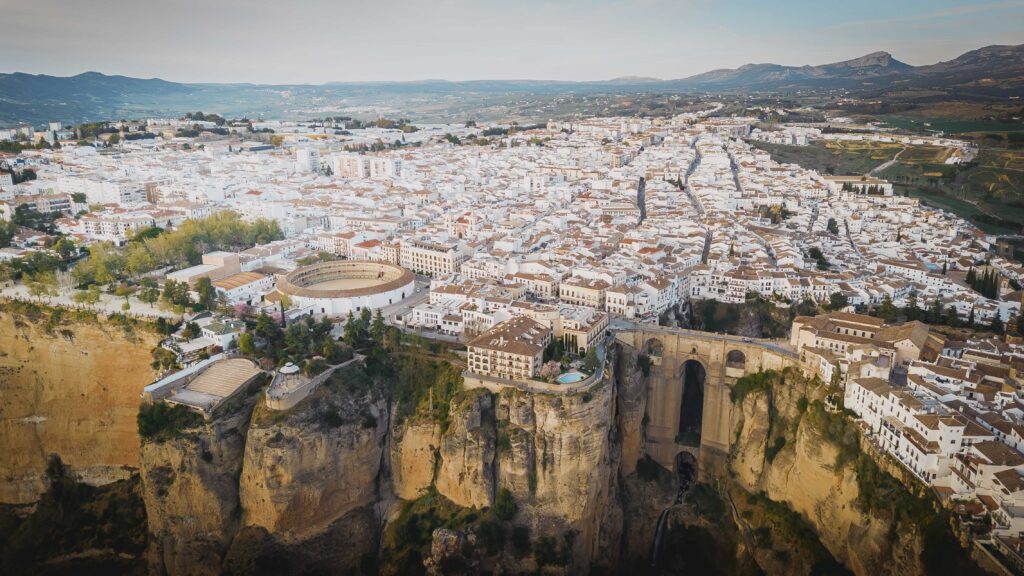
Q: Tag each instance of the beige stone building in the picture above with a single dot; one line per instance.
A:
(583, 292)
(513, 350)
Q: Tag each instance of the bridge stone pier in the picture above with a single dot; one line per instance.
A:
(691, 374)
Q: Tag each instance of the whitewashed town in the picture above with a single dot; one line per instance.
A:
(509, 238)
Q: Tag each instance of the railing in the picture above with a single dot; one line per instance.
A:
(163, 387)
(758, 342)
(281, 398)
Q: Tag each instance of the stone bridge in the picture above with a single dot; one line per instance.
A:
(691, 373)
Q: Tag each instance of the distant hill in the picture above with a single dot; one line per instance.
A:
(992, 71)
(91, 95)
(769, 77)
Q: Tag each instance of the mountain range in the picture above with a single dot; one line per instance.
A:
(989, 72)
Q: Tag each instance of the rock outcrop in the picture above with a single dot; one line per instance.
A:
(807, 474)
(72, 389)
(414, 449)
(190, 487)
(299, 488)
(308, 470)
(563, 447)
(466, 474)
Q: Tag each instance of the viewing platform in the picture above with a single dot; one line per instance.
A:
(290, 386)
(206, 385)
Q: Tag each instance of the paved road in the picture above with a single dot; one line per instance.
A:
(780, 346)
(419, 296)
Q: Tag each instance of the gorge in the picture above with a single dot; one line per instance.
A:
(393, 467)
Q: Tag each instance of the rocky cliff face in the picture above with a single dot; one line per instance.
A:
(807, 472)
(310, 468)
(414, 450)
(467, 451)
(255, 489)
(314, 489)
(190, 487)
(561, 464)
(69, 388)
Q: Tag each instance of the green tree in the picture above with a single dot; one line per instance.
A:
(123, 292)
(42, 284)
(378, 328)
(590, 361)
(886, 310)
(505, 506)
(912, 310)
(7, 232)
(838, 301)
(935, 312)
(353, 332)
(149, 292)
(246, 344)
(89, 296)
(138, 260)
(65, 248)
(176, 294)
(207, 293)
(997, 324)
(191, 331)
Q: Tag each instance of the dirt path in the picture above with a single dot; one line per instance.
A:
(885, 165)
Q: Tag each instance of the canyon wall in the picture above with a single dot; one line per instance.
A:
(69, 388)
(319, 486)
(783, 449)
(190, 487)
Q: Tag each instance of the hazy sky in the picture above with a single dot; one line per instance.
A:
(314, 41)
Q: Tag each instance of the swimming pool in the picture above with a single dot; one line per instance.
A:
(570, 377)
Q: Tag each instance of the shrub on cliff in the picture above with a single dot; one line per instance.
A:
(758, 382)
(505, 506)
(160, 421)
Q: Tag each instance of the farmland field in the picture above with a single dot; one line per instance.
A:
(951, 126)
(989, 191)
(833, 157)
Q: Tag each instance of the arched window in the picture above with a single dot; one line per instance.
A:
(735, 359)
(654, 347)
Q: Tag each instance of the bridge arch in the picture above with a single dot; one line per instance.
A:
(693, 378)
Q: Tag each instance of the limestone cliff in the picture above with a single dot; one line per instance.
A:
(782, 448)
(254, 489)
(556, 456)
(466, 475)
(414, 449)
(190, 487)
(562, 466)
(308, 467)
(68, 387)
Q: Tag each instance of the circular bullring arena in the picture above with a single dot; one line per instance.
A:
(342, 286)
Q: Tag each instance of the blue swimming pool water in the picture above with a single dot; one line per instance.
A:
(570, 377)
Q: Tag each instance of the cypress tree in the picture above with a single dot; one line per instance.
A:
(997, 324)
